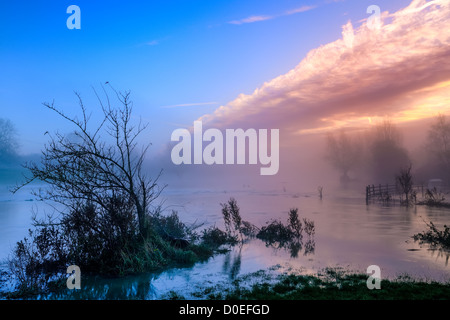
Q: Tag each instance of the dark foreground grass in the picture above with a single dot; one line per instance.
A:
(329, 284)
(353, 287)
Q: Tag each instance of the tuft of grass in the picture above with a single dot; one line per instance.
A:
(172, 295)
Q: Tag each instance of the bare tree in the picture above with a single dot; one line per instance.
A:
(405, 183)
(95, 165)
(343, 153)
(8, 139)
(387, 155)
(387, 131)
(438, 142)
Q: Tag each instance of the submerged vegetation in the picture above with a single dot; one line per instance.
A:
(434, 198)
(289, 236)
(434, 237)
(274, 234)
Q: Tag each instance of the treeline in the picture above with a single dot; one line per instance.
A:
(378, 155)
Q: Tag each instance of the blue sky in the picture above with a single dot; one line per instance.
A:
(180, 59)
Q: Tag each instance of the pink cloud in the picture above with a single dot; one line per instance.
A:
(387, 71)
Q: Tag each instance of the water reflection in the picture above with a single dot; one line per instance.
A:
(310, 247)
(98, 288)
(440, 254)
(348, 233)
(294, 246)
(232, 262)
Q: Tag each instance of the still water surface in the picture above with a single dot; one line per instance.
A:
(348, 234)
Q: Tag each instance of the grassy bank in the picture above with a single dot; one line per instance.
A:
(38, 263)
(328, 284)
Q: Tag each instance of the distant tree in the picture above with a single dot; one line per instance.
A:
(387, 155)
(438, 143)
(343, 153)
(387, 131)
(404, 181)
(8, 140)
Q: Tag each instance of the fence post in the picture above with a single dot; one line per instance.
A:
(367, 194)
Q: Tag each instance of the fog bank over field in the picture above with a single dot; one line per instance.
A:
(303, 164)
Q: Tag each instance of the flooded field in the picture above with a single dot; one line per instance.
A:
(348, 234)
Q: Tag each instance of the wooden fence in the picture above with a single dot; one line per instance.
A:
(386, 192)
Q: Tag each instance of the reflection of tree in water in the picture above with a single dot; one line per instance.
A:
(436, 240)
(310, 247)
(295, 246)
(232, 263)
(441, 254)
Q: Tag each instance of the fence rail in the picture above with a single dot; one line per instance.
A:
(387, 191)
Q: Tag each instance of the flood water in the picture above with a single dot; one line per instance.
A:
(348, 234)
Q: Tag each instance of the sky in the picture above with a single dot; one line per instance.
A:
(303, 67)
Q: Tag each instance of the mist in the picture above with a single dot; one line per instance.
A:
(304, 166)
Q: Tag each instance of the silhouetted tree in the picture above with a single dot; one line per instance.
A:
(8, 140)
(94, 165)
(438, 143)
(404, 181)
(387, 155)
(343, 153)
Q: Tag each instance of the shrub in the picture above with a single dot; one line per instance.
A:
(103, 241)
(215, 237)
(275, 232)
(171, 228)
(231, 217)
(433, 197)
(33, 265)
(434, 236)
(248, 229)
(289, 236)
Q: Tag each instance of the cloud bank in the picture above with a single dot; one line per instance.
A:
(400, 69)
